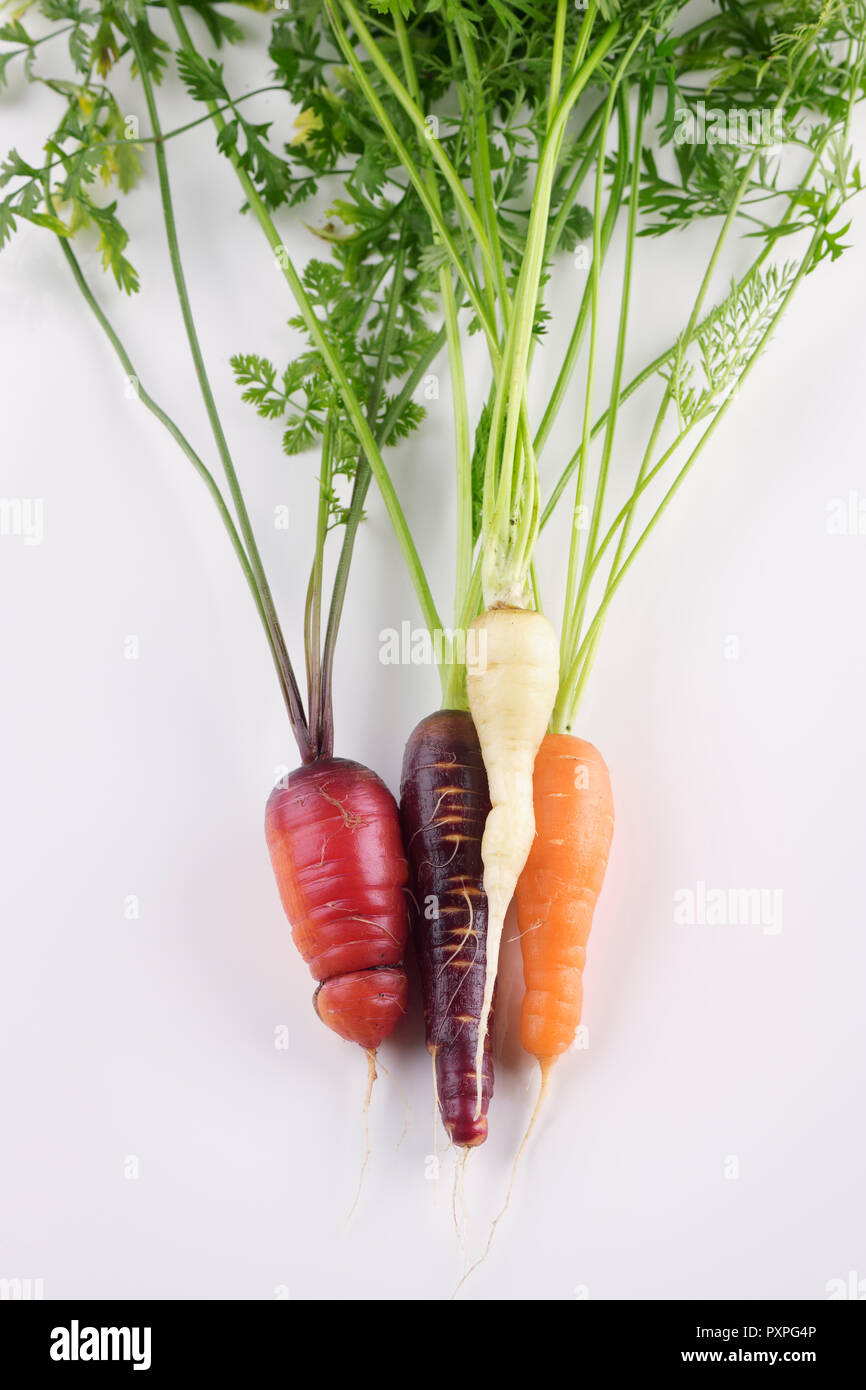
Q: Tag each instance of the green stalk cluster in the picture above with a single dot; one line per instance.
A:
(467, 136)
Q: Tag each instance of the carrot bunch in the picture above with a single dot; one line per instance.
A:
(476, 143)
(332, 826)
(589, 81)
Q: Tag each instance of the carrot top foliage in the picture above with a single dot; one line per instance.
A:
(557, 124)
(365, 307)
(455, 152)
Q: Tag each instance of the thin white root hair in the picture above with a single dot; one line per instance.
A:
(405, 1099)
(454, 1199)
(371, 1077)
(433, 1052)
(546, 1072)
(458, 1204)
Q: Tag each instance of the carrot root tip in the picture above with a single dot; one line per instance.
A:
(368, 1095)
(546, 1067)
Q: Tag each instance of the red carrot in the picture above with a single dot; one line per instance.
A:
(443, 806)
(333, 833)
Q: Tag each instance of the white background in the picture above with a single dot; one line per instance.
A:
(154, 1038)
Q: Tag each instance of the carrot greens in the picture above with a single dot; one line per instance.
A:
(543, 106)
(474, 146)
(364, 312)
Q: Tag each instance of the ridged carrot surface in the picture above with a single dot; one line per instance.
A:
(333, 832)
(443, 808)
(511, 680)
(559, 887)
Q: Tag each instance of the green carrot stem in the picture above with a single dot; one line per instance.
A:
(313, 607)
(462, 267)
(570, 629)
(633, 497)
(686, 338)
(587, 137)
(324, 726)
(572, 646)
(183, 443)
(462, 439)
(527, 293)
(363, 477)
(582, 664)
(665, 357)
(298, 719)
(462, 446)
(416, 116)
(481, 171)
(586, 655)
(583, 38)
(703, 290)
(504, 572)
(613, 407)
(566, 371)
(556, 63)
(351, 404)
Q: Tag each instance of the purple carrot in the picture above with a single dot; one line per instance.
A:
(443, 806)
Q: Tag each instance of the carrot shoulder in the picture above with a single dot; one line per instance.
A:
(559, 887)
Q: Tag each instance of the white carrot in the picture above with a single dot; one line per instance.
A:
(511, 677)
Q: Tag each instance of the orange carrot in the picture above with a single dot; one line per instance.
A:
(558, 890)
(556, 897)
